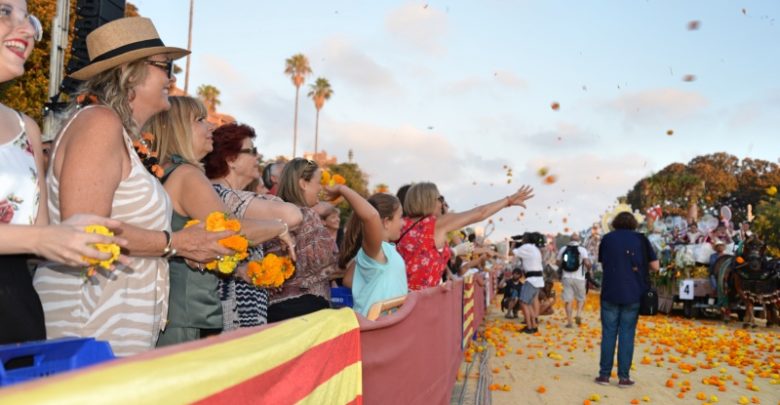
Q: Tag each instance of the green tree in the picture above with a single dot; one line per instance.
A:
(767, 224)
(210, 96)
(319, 92)
(297, 67)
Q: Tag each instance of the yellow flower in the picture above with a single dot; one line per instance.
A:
(112, 248)
(215, 222)
(325, 180)
(771, 191)
(233, 225)
(191, 222)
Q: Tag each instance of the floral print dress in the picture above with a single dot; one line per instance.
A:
(21, 316)
(425, 263)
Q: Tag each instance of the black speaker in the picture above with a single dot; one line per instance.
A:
(90, 14)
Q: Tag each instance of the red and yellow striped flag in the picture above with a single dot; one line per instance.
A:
(312, 359)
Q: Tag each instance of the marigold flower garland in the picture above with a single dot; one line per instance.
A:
(112, 248)
(271, 272)
(218, 222)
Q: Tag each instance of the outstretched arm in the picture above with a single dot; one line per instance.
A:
(450, 222)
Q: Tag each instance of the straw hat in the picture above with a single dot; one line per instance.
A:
(122, 41)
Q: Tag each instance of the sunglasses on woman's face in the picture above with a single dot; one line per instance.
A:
(251, 151)
(165, 65)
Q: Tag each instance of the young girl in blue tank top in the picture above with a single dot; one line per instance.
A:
(379, 271)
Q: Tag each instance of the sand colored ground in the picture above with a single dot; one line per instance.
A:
(676, 361)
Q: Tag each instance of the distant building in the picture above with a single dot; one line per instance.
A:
(322, 158)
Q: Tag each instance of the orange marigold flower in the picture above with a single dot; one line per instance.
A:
(147, 136)
(740, 259)
(233, 225)
(191, 222)
(215, 222)
(325, 180)
(541, 389)
(339, 179)
(158, 171)
(235, 242)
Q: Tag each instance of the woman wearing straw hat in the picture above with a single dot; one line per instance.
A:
(23, 219)
(95, 169)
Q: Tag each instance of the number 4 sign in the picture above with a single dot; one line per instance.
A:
(686, 289)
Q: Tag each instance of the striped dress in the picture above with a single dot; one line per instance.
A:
(126, 307)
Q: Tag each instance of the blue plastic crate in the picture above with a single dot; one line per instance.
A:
(27, 361)
(341, 297)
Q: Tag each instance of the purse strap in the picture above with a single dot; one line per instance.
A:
(410, 228)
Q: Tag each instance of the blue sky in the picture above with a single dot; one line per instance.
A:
(453, 91)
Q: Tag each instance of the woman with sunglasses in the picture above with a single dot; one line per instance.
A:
(183, 139)
(423, 237)
(23, 219)
(231, 166)
(308, 290)
(99, 166)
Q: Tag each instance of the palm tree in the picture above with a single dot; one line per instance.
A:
(319, 92)
(210, 96)
(297, 67)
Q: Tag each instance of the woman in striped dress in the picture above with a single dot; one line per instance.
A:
(95, 169)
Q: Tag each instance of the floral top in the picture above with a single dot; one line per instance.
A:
(425, 263)
(19, 190)
(315, 260)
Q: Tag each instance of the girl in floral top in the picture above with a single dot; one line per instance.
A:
(308, 290)
(425, 228)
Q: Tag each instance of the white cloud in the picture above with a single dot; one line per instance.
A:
(421, 26)
(662, 107)
(346, 65)
(564, 136)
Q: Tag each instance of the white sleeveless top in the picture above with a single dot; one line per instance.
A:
(19, 191)
(126, 307)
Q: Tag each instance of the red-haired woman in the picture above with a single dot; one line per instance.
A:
(231, 166)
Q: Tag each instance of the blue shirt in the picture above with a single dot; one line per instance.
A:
(374, 281)
(624, 256)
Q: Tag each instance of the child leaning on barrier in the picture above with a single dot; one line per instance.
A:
(379, 272)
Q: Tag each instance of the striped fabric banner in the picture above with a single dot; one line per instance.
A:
(313, 359)
(468, 309)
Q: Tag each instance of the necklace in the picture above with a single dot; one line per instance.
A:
(230, 186)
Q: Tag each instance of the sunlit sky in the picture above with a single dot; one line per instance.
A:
(453, 91)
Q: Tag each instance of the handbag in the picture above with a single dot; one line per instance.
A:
(648, 302)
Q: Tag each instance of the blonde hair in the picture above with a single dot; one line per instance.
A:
(420, 200)
(114, 88)
(296, 169)
(172, 129)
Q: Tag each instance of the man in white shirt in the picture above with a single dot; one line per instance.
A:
(531, 258)
(573, 260)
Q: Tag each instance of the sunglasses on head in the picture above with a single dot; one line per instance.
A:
(166, 66)
(251, 151)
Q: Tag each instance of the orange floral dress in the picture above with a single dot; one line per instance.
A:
(425, 263)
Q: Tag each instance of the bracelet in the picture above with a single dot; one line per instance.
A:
(169, 251)
(508, 201)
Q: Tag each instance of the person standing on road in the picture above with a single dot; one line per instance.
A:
(626, 257)
(574, 262)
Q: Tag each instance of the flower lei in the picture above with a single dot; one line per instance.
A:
(142, 146)
(218, 222)
(112, 248)
(271, 272)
